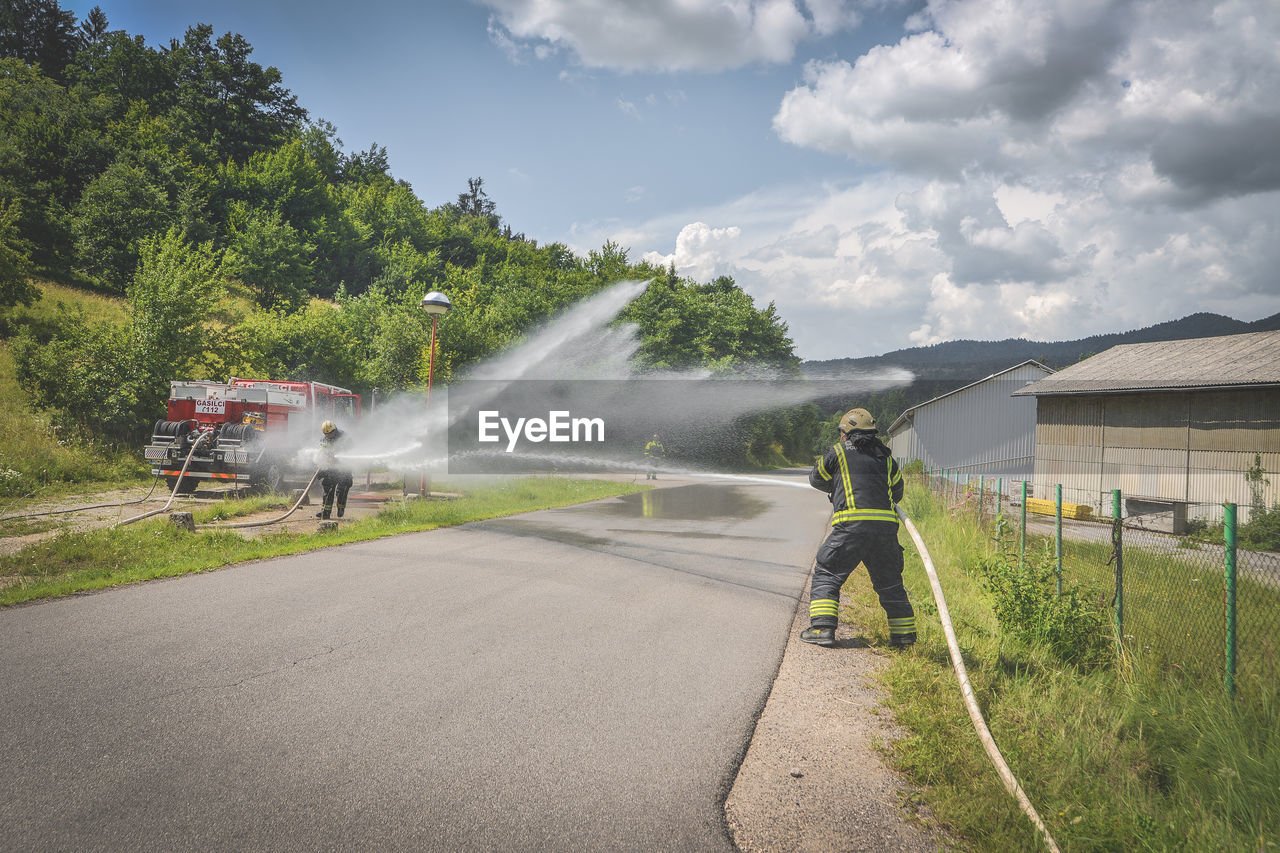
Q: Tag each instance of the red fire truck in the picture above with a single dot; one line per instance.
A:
(251, 430)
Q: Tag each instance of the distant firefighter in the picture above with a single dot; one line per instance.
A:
(335, 478)
(653, 451)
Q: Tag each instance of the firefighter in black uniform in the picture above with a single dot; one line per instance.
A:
(864, 485)
(335, 479)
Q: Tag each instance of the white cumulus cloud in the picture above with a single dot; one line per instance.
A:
(668, 35)
(1049, 169)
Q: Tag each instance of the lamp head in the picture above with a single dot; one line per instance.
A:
(436, 302)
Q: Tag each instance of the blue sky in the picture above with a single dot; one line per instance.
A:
(889, 173)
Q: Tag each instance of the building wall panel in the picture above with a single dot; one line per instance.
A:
(1194, 446)
(1241, 420)
(980, 430)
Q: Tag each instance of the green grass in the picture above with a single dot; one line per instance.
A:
(59, 299)
(154, 548)
(1174, 621)
(35, 464)
(1132, 757)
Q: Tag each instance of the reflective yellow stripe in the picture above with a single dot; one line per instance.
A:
(844, 477)
(864, 515)
(822, 470)
(895, 473)
(824, 607)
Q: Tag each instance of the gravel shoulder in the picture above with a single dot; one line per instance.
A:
(814, 777)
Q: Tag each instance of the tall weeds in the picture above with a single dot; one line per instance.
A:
(1114, 757)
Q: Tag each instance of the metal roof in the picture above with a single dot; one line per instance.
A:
(1226, 361)
(906, 413)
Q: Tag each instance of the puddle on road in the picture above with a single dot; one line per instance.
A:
(698, 502)
(541, 530)
(689, 534)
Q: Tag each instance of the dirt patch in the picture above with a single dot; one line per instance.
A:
(121, 504)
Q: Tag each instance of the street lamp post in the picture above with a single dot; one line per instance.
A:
(436, 304)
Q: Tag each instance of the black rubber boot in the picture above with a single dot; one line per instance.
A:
(819, 636)
(902, 641)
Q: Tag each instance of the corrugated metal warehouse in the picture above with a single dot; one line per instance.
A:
(1177, 422)
(977, 430)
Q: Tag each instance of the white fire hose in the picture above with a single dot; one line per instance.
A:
(177, 485)
(301, 497)
(966, 690)
(140, 500)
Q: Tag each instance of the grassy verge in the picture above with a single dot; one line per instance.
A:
(1113, 757)
(77, 562)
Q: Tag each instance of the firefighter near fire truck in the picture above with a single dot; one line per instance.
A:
(243, 432)
(864, 484)
(334, 478)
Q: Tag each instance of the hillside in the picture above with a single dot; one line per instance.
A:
(977, 359)
(944, 367)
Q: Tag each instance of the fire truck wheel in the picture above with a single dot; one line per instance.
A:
(188, 487)
(269, 477)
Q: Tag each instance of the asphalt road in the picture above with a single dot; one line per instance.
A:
(577, 679)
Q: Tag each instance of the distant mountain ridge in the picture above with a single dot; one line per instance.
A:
(974, 360)
(944, 367)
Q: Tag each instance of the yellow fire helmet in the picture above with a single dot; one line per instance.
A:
(857, 419)
(328, 427)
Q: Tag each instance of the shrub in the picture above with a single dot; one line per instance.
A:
(1263, 530)
(1028, 607)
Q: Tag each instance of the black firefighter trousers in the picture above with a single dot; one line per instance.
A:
(875, 545)
(336, 482)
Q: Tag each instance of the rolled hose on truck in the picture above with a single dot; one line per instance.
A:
(966, 690)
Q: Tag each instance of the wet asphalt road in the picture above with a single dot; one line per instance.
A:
(575, 679)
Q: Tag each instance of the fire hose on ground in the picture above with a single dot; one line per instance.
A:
(966, 690)
(301, 497)
(140, 500)
(177, 485)
(173, 494)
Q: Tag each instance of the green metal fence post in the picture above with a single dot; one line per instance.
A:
(1022, 537)
(982, 496)
(1000, 511)
(1057, 531)
(1117, 546)
(1229, 536)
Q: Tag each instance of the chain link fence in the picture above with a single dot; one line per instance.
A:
(1191, 605)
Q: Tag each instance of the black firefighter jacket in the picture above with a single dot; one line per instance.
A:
(863, 480)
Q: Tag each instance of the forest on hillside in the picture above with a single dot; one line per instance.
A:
(246, 239)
